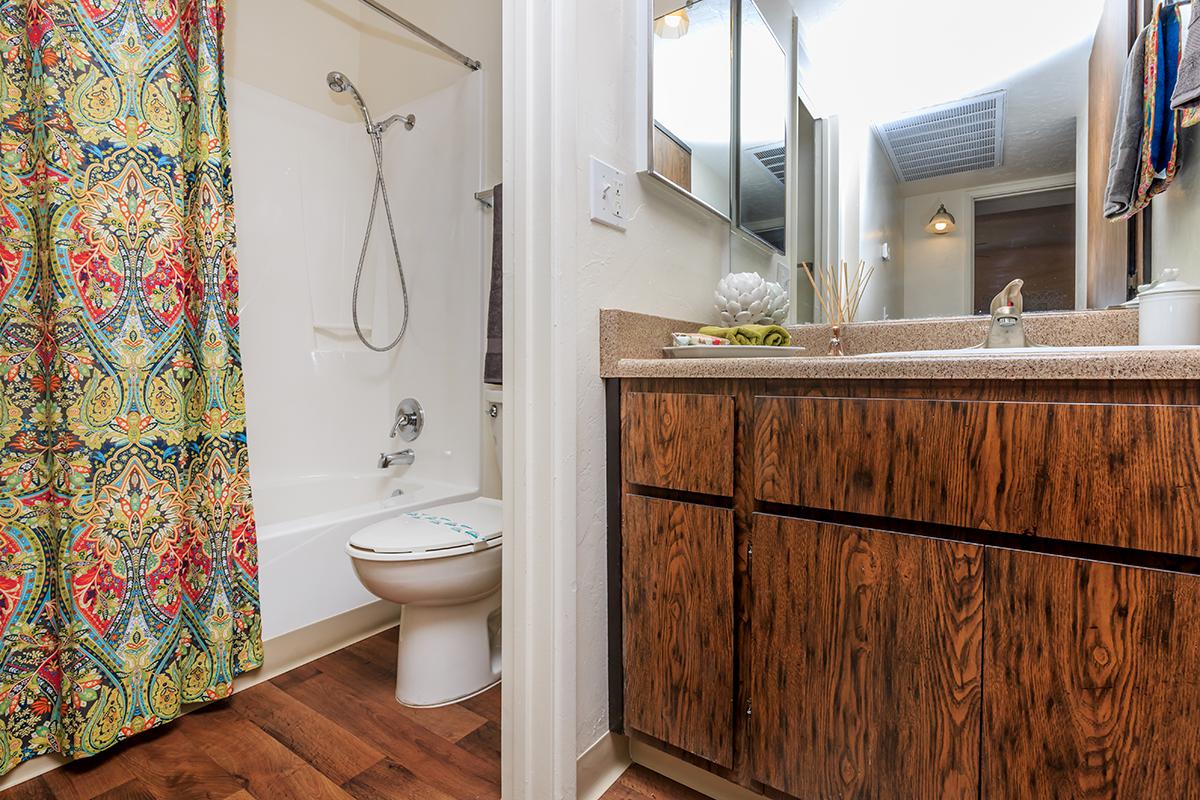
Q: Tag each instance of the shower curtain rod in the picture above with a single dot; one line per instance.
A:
(429, 38)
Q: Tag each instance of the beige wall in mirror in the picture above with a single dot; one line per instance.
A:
(984, 124)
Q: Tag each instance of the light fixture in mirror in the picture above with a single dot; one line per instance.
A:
(943, 222)
(690, 99)
(674, 25)
(763, 106)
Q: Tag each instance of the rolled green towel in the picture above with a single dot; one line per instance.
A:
(769, 335)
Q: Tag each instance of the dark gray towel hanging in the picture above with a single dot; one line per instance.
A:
(493, 360)
(1125, 160)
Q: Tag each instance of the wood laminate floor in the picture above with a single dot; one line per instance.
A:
(329, 730)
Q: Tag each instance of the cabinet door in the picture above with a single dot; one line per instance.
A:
(866, 658)
(677, 564)
(1092, 683)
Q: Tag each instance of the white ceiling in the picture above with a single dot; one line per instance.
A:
(875, 60)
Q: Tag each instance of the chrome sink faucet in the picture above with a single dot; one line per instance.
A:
(1007, 329)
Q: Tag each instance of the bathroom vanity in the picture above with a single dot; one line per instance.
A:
(925, 578)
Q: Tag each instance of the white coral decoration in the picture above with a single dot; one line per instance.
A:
(777, 308)
(744, 298)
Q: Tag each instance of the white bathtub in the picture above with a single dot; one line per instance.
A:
(304, 573)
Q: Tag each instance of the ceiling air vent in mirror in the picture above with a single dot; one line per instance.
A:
(944, 140)
(774, 158)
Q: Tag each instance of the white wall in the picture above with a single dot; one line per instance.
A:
(935, 280)
(308, 38)
(667, 263)
(318, 402)
(1176, 235)
(872, 212)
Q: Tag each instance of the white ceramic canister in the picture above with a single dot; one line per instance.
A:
(1169, 312)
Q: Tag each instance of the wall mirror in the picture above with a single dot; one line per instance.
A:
(954, 146)
(763, 89)
(691, 80)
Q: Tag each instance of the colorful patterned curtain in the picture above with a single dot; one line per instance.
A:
(128, 570)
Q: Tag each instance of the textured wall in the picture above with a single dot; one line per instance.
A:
(667, 263)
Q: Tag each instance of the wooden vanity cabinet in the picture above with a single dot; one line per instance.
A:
(911, 589)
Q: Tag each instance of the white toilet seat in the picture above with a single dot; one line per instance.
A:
(454, 529)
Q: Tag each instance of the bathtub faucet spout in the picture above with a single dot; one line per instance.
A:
(404, 457)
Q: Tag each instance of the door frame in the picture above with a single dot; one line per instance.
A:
(538, 692)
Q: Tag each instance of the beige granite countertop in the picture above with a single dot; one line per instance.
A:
(631, 347)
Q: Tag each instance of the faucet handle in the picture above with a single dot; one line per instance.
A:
(1010, 297)
(410, 419)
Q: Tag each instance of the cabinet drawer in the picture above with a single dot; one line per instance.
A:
(677, 565)
(678, 441)
(1091, 685)
(1121, 475)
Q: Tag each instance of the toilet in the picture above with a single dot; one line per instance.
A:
(443, 565)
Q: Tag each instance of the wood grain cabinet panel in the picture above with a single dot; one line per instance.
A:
(678, 441)
(865, 673)
(1121, 475)
(677, 565)
(1092, 685)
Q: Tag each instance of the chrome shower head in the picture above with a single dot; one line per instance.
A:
(339, 83)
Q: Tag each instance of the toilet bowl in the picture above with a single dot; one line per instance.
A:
(443, 565)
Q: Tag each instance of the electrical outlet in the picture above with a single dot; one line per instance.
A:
(608, 195)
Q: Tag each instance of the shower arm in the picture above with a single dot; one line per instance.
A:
(409, 120)
(428, 38)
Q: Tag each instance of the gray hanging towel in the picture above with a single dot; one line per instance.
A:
(493, 360)
(1187, 89)
(1125, 160)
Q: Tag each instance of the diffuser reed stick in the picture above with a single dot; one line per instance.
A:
(839, 290)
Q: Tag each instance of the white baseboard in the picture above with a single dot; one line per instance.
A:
(600, 766)
(291, 650)
(281, 654)
(689, 775)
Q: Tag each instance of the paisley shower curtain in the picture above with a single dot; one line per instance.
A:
(128, 571)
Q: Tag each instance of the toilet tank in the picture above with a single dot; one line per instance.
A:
(493, 404)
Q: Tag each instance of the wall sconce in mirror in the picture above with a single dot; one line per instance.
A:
(942, 223)
(674, 25)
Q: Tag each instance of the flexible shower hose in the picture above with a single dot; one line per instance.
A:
(376, 136)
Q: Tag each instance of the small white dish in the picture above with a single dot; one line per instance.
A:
(733, 351)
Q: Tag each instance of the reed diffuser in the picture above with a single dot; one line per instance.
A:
(839, 290)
